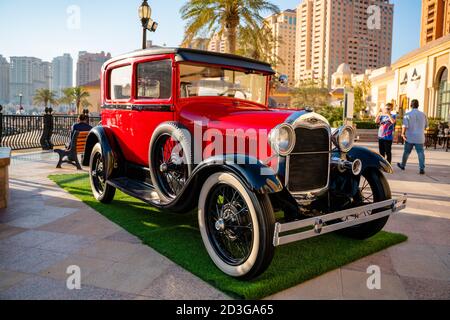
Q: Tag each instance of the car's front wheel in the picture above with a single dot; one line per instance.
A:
(101, 190)
(236, 226)
(373, 188)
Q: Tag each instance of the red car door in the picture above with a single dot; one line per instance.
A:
(152, 103)
(116, 113)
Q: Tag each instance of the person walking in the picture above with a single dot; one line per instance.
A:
(413, 133)
(386, 120)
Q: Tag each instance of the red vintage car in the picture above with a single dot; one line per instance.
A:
(185, 128)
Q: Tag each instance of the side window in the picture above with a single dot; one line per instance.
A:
(120, 83)
(154, 80)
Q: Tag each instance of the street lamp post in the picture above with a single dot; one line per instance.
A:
(145, 13)
(20, 101)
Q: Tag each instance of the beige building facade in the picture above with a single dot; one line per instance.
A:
(284, 27)
(332, 32)
(94, 99)
(423, 74)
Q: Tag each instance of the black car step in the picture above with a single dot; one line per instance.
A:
(140, 190)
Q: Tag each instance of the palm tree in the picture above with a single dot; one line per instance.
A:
(259, 44)
(311, 93)
(361, 91)
(224, 16)
(44, 97)
(86, 104)
(76, 95)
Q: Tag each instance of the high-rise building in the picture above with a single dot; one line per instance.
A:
(435, 20)
(218, 43)
(283, 27)
(4, 80)
(62, 73)
(332, 32)
(89, 66)
(28, 74)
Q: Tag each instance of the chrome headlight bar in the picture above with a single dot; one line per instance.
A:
(282, 139)
(344, 138)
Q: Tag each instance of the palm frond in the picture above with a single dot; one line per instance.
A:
(229, 16)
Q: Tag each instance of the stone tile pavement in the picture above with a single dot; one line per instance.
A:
(45, 230)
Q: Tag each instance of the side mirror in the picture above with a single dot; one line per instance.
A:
(283, 79)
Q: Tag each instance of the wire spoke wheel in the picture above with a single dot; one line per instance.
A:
(373, 188)
(229, 224)
(236, 225)
(365, 190)
(98, 173)
(171, 165)
(101, 190)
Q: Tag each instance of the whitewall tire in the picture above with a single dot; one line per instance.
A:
(236, 226)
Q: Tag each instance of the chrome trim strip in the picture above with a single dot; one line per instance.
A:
(319, 227)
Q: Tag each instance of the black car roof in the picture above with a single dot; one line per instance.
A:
(199, 56)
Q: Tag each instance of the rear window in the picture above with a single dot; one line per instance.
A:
(120, 83)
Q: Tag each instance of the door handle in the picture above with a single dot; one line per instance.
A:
(137, 108)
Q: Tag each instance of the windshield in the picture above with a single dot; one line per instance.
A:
(206, 81)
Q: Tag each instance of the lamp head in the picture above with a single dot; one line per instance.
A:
(145, 13)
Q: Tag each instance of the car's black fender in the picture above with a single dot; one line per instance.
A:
(369, 159)
(100, 135)
(256, 176)
(345, 184)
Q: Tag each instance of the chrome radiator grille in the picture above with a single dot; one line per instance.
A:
(309, 164)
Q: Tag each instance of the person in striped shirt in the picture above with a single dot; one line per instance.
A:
(386, 120)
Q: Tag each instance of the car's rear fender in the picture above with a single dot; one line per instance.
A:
(99, 134)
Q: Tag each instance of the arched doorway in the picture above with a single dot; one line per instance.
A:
(443, 95)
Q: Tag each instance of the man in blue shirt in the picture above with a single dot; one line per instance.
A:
(386, 121)
(81, 126)
(413, 132)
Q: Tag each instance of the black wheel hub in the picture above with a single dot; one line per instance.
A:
(172, 171)
(229, 224)
(98, 173)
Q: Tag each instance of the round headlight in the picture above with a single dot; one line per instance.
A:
(345, 138)
(282, 139)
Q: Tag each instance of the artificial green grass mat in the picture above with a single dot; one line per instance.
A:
(178, 238)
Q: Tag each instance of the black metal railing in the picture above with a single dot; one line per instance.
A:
(27, 132)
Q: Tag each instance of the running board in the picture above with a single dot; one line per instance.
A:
(284, 233)
(140, 190)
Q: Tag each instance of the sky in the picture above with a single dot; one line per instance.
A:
(49, 28)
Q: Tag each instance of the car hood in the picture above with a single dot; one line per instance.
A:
(241, 117)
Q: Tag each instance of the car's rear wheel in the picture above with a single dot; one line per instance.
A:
(170, 160)
(101, 190)
(236, 226)
(373, 188)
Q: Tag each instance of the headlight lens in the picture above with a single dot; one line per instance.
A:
(282, 139)
(345, 138)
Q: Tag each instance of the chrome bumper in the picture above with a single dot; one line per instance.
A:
(318, 225)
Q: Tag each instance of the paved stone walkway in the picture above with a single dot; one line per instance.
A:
(45, 230)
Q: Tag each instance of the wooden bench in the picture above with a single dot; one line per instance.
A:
(5, 161)
(77, 145)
